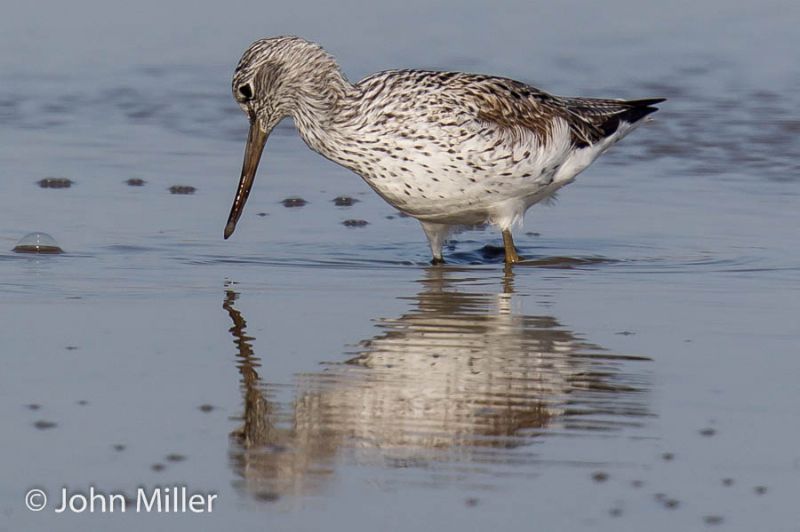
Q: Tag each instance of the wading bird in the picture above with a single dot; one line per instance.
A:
(448, 148)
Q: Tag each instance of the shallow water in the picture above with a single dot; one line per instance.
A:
(639, 372)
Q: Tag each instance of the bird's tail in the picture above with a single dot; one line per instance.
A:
(599, 119)
(631, 112)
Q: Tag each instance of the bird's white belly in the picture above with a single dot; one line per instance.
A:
(443, 176)
(464, 184)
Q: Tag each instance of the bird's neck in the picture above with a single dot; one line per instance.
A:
(321, 103)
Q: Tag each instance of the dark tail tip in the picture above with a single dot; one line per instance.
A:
(634, 112)
(639, 109)
(646, 102)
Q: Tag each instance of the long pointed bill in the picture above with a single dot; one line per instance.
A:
(252, 154)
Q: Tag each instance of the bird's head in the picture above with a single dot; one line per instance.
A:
(276, 78)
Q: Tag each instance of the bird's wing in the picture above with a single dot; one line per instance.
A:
(516, 107)
(508, 108)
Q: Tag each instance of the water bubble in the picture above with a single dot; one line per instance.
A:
(37, 243)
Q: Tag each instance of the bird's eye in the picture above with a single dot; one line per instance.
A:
(245, 92)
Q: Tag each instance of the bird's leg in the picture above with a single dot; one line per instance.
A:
(436, 233)
(508, 244)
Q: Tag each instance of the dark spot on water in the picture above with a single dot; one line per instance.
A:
(158, 467)
(83, 402)
(118, 447)
(708, 432)
(294, 202)
(33, 406)
(727, 482)
(532, 233)
(44, 425)
(175, 457)
(668, 457)
(71, 347)
(760, 490)
(266, 496)
(344, 201)
(390, 217)
(55, 182)
(182, 189)
(615, 512)
(206, 408)
(38, 250)
(471, 502)
(401, 214)
(712, 519)
(410, 462)
(355, 223)
(135, 182)
(637, 483)
(671, 504)
(599, 476)
(262, 214)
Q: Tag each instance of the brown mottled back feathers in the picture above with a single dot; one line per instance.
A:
(517, 108)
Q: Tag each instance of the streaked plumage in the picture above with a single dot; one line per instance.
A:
(448, 148)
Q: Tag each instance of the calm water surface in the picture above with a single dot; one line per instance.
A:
(641, 373)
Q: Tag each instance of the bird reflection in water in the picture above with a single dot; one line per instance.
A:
(461, 378)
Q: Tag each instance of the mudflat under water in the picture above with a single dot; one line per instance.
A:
(641, 373)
